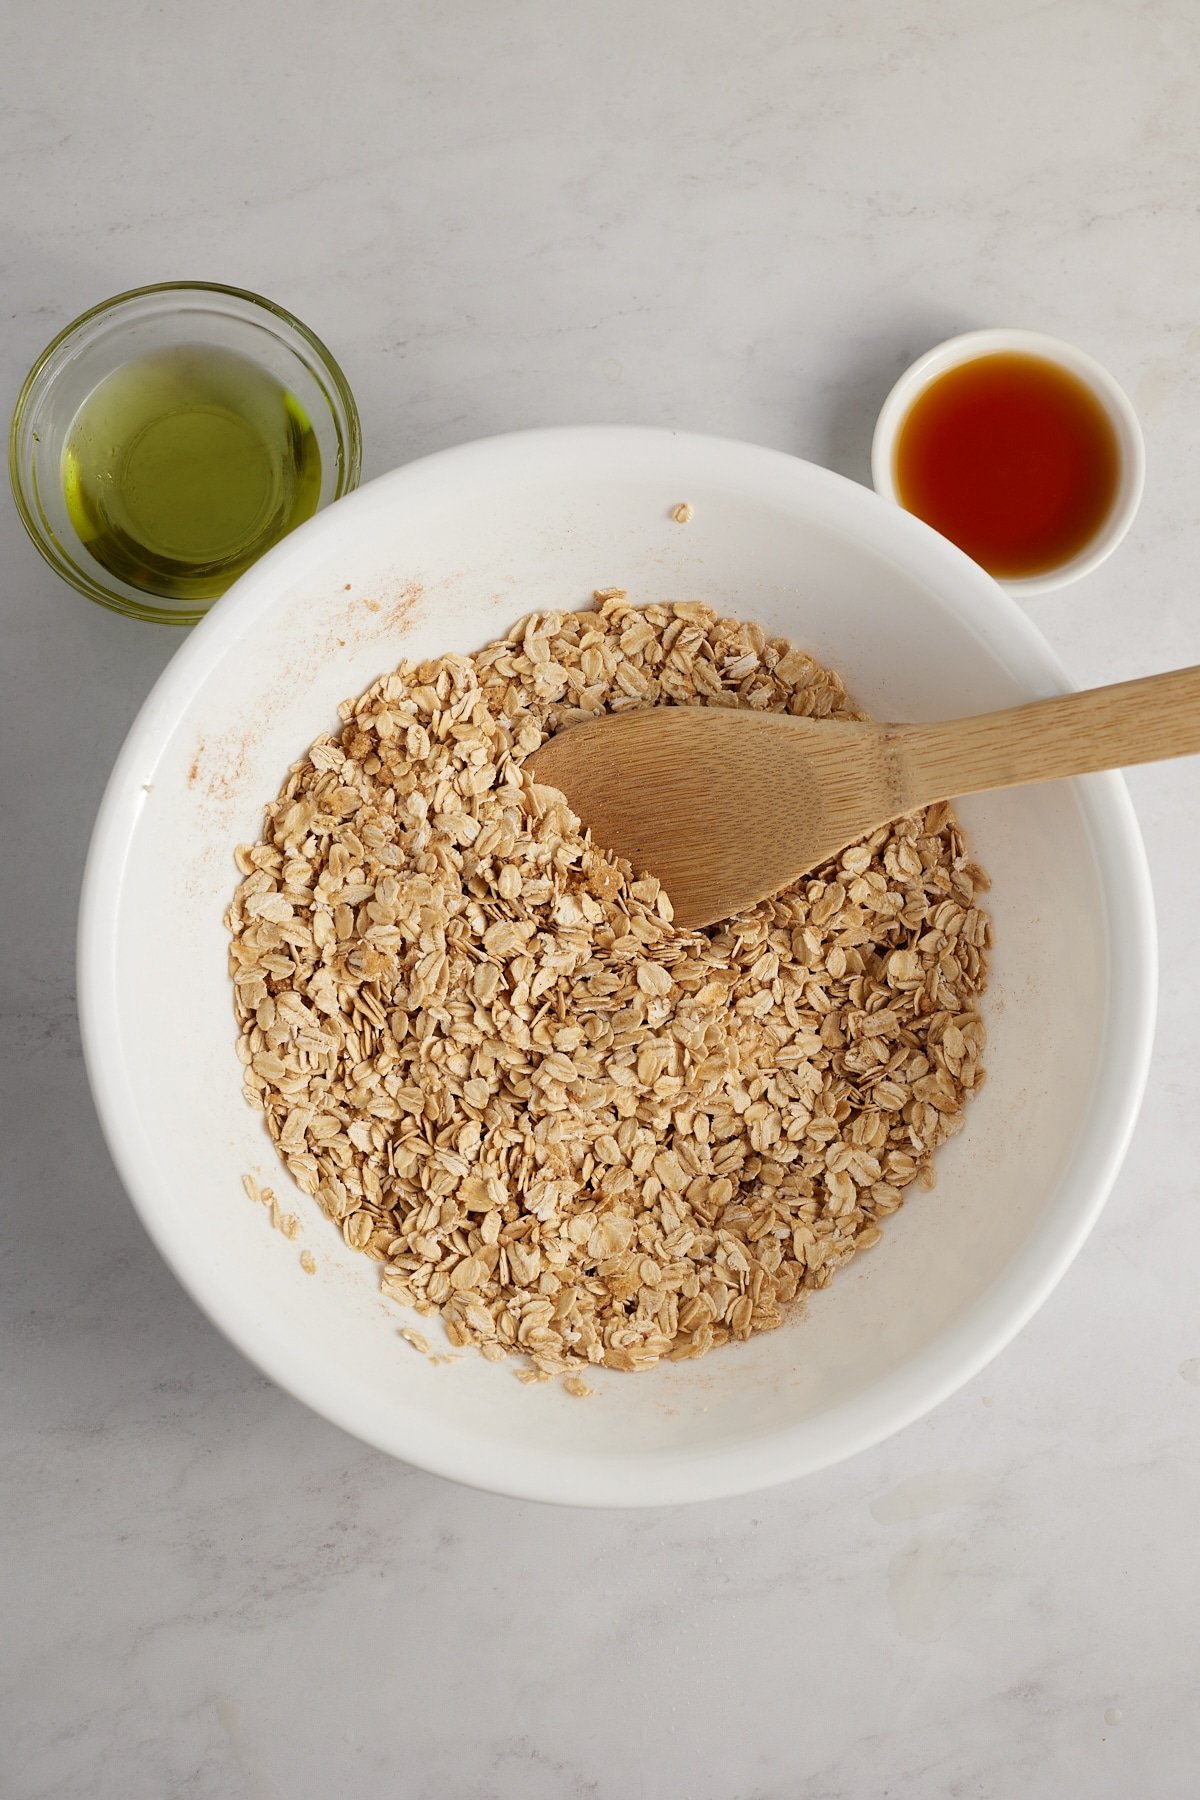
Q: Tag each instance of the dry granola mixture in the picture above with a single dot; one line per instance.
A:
(574, 1133)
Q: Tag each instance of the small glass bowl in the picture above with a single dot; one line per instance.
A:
(131, 325)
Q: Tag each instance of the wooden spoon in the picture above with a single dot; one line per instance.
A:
(726, 805)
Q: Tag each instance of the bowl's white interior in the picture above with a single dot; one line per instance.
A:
(445, 555)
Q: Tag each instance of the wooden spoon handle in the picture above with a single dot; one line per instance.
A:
(1071, 734)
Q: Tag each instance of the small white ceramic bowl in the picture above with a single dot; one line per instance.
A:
(443, 556)
(1116, 403)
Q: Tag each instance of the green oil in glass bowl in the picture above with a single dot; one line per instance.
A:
(182, 467)
(170, 436)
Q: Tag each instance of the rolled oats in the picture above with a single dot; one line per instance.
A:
(475, 1038)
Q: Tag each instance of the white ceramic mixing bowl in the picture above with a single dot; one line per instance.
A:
(444, 555)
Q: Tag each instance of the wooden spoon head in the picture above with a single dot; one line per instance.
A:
(724, 805)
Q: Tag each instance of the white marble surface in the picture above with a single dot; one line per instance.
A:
(739, 219)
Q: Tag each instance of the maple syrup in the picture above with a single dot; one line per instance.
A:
(1013, 458)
